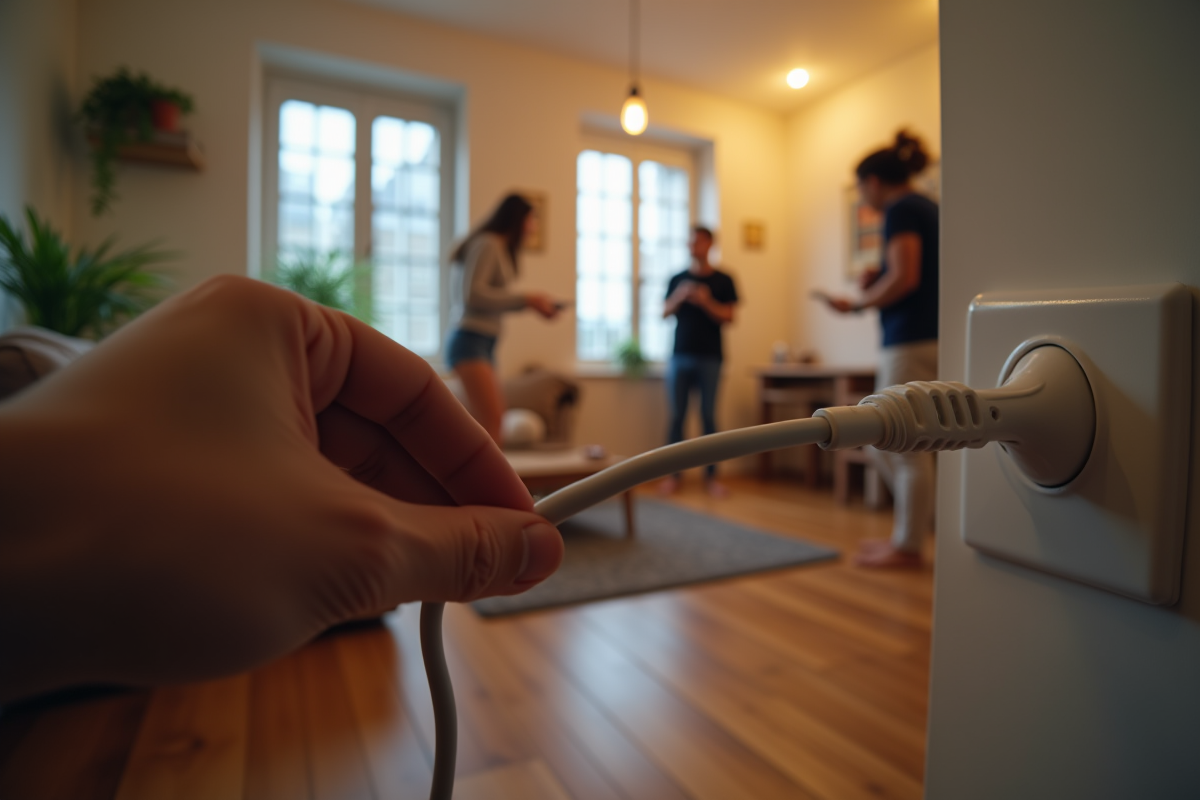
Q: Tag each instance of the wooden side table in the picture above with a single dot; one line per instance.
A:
(546, 471)
(813, 386)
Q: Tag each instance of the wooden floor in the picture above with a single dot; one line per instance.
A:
(805, 683)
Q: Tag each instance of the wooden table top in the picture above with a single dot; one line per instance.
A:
(552, 463)
(813, 371)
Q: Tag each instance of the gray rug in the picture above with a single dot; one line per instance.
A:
(673, 547)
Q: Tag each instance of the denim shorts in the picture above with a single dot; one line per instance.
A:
(466, 345)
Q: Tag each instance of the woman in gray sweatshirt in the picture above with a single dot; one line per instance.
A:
(483, 267)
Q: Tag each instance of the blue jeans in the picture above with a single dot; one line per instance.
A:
(464, 345)
(685, 373)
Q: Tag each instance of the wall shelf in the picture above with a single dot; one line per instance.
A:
(170, 149)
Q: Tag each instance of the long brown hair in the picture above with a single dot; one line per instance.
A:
(508, 220)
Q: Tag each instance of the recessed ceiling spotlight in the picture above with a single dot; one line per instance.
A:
(797, 78)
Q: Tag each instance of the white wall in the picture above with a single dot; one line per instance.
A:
(1071, 159)
(524, 111)
(825, 142)
(37, 72)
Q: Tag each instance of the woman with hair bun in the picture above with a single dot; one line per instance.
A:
(482, 268)
(905, 290)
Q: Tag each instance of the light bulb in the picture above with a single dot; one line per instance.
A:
(634, 116)
(797, 78)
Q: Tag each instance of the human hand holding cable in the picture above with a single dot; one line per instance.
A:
(228, 476)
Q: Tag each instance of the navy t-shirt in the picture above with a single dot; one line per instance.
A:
(915, 317)
(696, 333)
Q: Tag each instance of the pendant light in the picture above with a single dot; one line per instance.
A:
(634, 116)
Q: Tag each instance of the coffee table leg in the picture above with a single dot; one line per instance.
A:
(627, 502)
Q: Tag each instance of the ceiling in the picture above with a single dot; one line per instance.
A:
(738, 48)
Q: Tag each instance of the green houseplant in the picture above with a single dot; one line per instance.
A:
(631, 358)
(87, 294)
(121, 109)
(329, 278)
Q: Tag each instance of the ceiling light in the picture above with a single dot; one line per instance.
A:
(797, 78)
(634, 116)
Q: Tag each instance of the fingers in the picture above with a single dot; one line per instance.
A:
(397, 390)
(371, 456)
(436, 554)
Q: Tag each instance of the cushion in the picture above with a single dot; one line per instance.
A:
(29, 354)
(548, 394)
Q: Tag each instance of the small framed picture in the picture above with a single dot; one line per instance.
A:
(754, 235)
(535, 239)
(865, 245)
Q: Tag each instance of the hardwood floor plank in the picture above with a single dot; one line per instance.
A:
(277, 753)
(703, 758)
(842, 619)
(818, 756)
(528, 781)
(473, 755)
(96, 728)
(900, 741)
(899, 685)
(337, 764)
(881, 601)
(192, 743)
(809, 643)
(485, 742)
(627, 768)
(525, 709)
(399, 762)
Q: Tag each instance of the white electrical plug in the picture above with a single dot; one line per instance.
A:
(1043, 415)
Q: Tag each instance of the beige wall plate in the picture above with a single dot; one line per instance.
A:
(1119, 524)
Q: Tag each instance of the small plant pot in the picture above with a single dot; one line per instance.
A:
(165, 115)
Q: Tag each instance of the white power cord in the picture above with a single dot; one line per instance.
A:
(1043, 415)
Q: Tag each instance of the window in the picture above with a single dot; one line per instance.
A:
(620, 288)
(356, 178)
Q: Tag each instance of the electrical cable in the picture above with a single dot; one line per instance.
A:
(1044, 413)
(566, 503)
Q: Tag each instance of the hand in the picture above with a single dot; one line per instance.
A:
(543, 304)
(682, 293)
(231, 474)
(843, 305)
(700, 294)
(867, 278)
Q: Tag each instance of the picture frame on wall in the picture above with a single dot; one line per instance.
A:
(535, 239)
(754, 234)
(865, 242)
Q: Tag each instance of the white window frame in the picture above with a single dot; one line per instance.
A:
(366, 103)
(637, 151)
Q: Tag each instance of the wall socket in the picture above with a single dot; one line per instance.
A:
(1119, 524)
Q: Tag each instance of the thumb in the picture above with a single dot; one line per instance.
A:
(459, 554)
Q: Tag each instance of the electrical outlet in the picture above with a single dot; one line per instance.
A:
(1119, 524)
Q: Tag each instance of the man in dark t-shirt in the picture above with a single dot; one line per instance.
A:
(702, 300)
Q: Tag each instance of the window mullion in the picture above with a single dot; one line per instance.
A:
(636, 261)
(363, 203)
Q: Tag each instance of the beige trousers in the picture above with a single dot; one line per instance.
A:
(910, 476)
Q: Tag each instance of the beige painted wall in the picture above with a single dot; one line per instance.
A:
(37, 78)
(825, 142)
(524, 111)
(37, 72)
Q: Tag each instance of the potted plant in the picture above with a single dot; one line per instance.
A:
(633, 362)
(329, 278)
(87, 294)
(121, 109)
